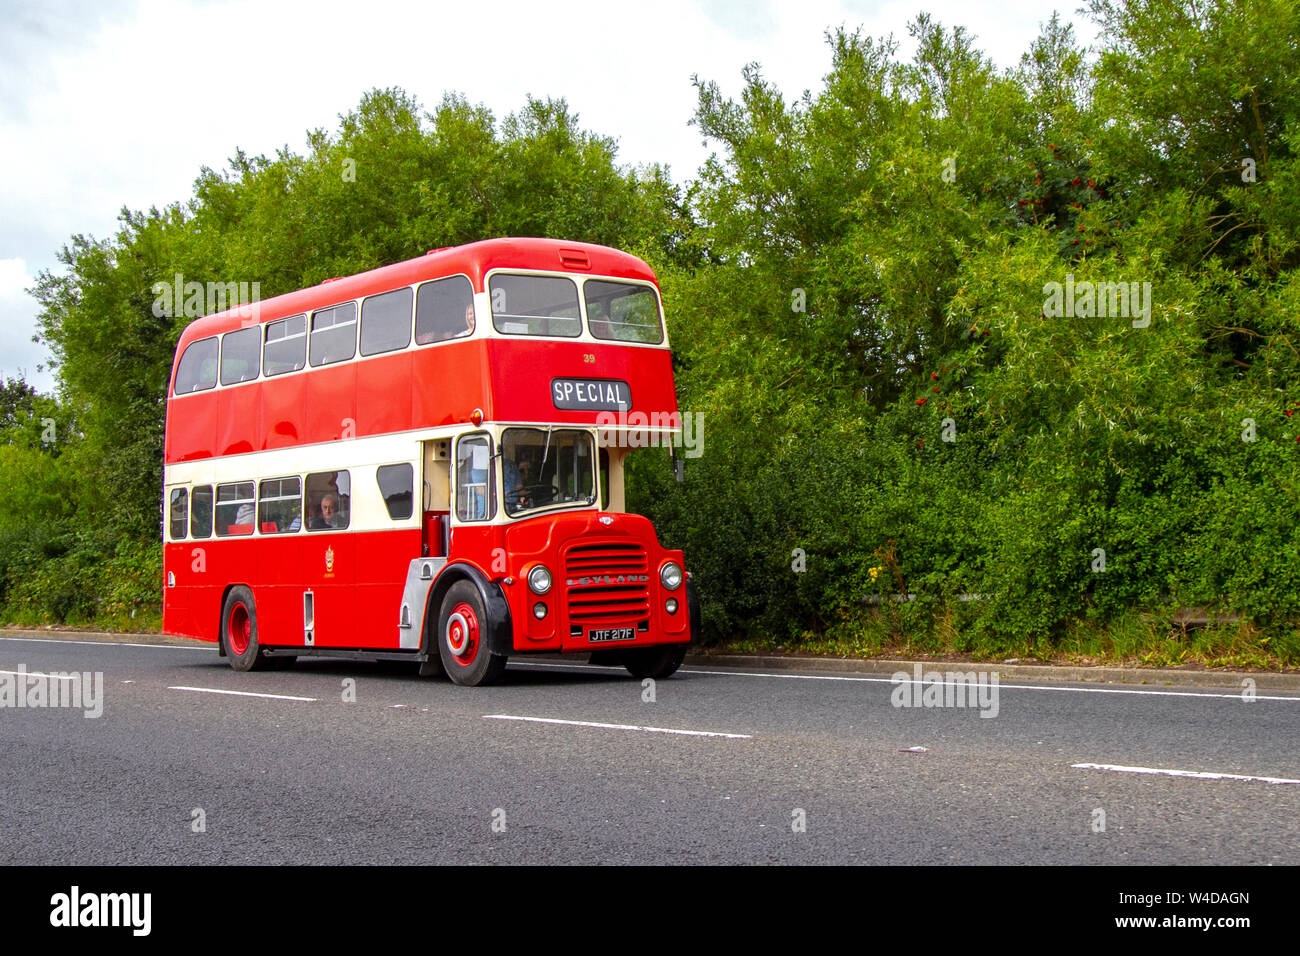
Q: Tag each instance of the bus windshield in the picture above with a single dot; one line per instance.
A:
(544, 468)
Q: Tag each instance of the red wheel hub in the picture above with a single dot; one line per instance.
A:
(462, 634)
(240, 629)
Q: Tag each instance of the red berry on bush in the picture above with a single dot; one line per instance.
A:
(935, 375)
(921, 401)
(935, 389)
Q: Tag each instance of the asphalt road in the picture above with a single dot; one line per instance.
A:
(571, 764)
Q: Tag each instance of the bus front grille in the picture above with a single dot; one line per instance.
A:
(607, 582)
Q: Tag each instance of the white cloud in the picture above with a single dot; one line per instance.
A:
(124, 107)
(18, 354)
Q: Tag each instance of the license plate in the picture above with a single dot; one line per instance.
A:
(605, 634)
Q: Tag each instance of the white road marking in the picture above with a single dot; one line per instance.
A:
(600, 726)
(241, 693)
(39, 674)
(1234, 695)
(1198, 774)
(50, 640)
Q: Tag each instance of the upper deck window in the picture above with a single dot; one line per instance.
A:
(622, 312)
(240, 355)
(286, 345)
(535, 305)
(333, 334)
(444, 310)
(386, 322)
(198, 368)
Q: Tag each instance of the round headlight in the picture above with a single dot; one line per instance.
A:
(671, 576)
(539, 580)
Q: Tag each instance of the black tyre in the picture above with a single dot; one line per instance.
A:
(463, 629)
(239, 631)
(656, 662)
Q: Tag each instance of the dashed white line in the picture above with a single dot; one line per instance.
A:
(1197, 774)
(39, 674)
(240, 693)
(601, 726)
(1234, 695)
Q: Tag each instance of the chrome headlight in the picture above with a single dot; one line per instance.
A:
(539, 580)
(670, 576)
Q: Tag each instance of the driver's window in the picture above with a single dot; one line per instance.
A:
(475, 488)
(519, 473)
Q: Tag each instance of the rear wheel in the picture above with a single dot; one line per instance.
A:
(239, 631)
(462, 638)
(656, 662)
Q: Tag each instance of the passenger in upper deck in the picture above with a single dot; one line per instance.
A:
(440, 317)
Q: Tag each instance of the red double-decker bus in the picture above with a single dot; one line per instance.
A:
(418, 463)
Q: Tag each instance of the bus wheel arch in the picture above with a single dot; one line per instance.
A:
(500, 637)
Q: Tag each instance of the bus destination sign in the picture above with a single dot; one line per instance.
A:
(591, 394)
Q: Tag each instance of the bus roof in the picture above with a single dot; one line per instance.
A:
(474, 259)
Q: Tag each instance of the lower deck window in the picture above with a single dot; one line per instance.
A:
(236, 508)
(179, 513)
(328, 500)
(279, 505)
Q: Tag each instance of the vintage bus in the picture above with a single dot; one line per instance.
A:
(425, 462)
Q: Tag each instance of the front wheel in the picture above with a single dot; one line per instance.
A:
(239, 631)
(656, 662)
(462, 638)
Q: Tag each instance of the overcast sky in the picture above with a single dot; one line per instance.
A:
(112, 103)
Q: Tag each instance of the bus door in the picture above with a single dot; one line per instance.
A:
(474, 500)
(435, 514)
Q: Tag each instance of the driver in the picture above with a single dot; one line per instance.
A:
(516, 478)
(514, 485)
